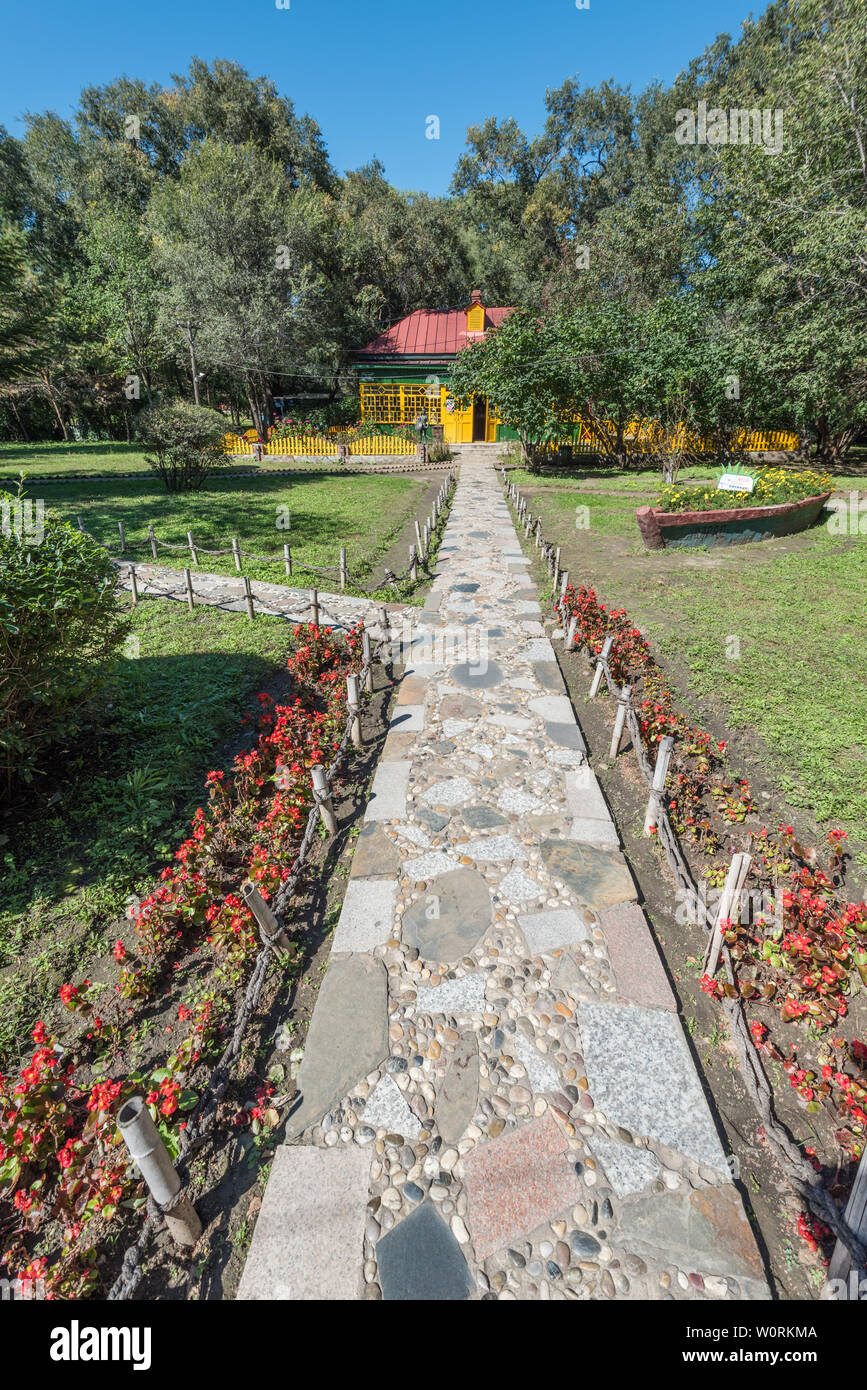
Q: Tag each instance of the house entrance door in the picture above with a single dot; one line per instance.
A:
(480, 419)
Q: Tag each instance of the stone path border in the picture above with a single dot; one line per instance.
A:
(375, 464)
(495, 1034)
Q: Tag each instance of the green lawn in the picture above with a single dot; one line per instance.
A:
(364, 513)
(797, 607)
(37, 459)
(95, 827)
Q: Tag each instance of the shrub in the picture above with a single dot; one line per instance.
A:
(440, 453)
(186, 442)
(60, 623)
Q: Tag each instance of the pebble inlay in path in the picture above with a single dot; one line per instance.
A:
(480, 1121)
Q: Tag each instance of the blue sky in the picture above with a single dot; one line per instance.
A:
(369, 71)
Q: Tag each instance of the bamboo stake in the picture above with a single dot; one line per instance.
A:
(353, 704)
(287, 559)
(343, 567)
(620, 721)
(189, 583)
(133, 585)
(152, 538)
(236, 553)
(569, 644)
(322, 795)
(151, 1156)
(600, 667)
(270, 931)
(193, 550)
(365, 653)
(413, 564)
(248, 596)
(738, 870)
(314, 606)
(122, 537)
(657, 787)
(855, 1217)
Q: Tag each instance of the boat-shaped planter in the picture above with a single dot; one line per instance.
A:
(727, 525)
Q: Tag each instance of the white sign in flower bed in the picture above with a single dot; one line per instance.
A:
(735, 482)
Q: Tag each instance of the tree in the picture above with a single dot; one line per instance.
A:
(23, 313)
(119, 294)
(791, 249)
(519, 368)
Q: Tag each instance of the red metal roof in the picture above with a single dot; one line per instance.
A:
(427, 332)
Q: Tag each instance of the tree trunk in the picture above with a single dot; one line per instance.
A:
(831, 447)
(24, 434)
(255, 412)
(269, 406)
(51, 397)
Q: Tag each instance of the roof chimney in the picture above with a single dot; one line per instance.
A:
(476, 314)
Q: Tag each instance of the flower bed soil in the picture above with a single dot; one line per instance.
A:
(71, 1200)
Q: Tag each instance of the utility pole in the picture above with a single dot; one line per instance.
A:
(188, 328)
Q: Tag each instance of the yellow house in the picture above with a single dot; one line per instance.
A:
(406, 372)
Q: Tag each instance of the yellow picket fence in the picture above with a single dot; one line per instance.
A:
(640, 437)
(316, 445)
(382, 444)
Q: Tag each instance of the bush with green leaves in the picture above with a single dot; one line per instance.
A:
(184, 443)
(61, 621)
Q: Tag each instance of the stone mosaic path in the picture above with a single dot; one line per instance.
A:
(496, 1097)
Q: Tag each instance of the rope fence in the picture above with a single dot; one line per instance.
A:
(800, 1175)
(175, 1205)
(419, 554)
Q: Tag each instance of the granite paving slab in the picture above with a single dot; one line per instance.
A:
(638, 970)
(367, 915)
(551, 930)
(386, 1109)
(388, 793)
(627, 1168)
(517, 1181)
(308, 1240)
(463, 996)
(642, 1076)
